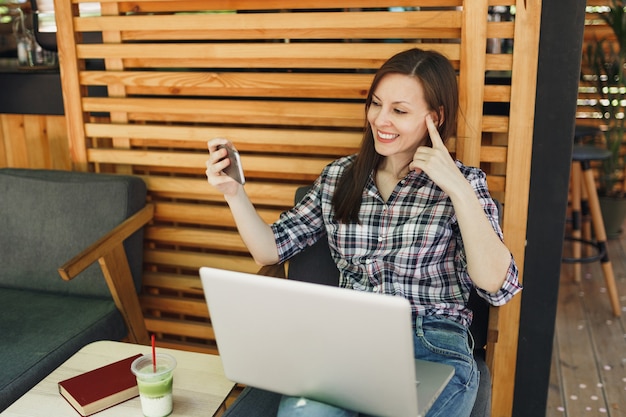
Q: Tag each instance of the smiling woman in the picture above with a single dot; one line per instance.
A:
(286, 82)
(454, 246)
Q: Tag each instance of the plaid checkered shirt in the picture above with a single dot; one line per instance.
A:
(409, 245)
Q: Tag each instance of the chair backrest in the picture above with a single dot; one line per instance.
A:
(315, 264)
(47, 217)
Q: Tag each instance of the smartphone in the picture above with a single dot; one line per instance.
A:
(234, 170)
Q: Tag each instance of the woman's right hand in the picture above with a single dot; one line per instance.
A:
(256, 234)
(218, 161)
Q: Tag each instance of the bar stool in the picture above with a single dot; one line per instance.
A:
(584, 193)
(583, 134)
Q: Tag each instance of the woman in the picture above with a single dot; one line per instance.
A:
(401, 217)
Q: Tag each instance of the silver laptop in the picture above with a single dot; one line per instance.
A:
(343, 347)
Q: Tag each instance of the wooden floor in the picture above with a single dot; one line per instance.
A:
(588, 374)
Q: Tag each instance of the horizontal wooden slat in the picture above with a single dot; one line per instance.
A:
(501, 2)
(324, 142)
(497, 93)
(499, 62)
(243, 84)
(210, 348)
(176, 5)
(194, 260)
(500, 30)
(192, 237)
(495, 124)
(261, 193)
(304, 168)
(496, 183)
(196, 83)
(600, 31)
(196, 189)
(176, 305)
(209, 215)
(344, 55)
(180, 327)
(173, 282)
(149, 158)
(493, 154)
(345, 25)
(232, 111)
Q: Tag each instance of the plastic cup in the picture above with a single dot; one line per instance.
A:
(155, 388)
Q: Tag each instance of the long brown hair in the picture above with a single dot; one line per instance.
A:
(438, 79)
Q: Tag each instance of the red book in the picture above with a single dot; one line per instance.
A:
(101, 388)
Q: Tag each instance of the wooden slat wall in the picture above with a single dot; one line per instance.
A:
(595, 29)
(34, 141)
(587, 114)
(285, 81)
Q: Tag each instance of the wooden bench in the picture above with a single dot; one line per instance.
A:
(285, 81)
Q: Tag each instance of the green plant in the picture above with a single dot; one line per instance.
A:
(607, 66)
(606, 60)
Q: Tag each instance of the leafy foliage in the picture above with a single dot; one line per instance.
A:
(606, 59)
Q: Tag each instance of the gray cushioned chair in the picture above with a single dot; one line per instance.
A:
(316, 265)
(60, 223)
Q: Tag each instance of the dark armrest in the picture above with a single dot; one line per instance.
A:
(276, 271)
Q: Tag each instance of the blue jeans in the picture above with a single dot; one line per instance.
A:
(436, 339)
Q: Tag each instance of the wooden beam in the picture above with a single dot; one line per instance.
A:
(471, 82)
(523, 90)
(559, 62)
(72, 91)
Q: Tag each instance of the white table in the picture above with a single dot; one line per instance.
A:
(200, 387)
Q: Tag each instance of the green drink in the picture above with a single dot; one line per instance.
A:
(155, 386)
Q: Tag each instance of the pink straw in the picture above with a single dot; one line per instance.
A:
(153, 355)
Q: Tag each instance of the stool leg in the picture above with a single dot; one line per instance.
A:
(600, 232)
(585, 221)
(576, 187)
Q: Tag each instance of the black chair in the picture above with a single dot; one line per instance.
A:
(316, 265)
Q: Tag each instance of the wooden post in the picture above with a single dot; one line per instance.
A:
(72, 97)
(521, 123)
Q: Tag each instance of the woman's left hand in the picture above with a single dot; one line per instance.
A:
(436, 161)
(488, 259)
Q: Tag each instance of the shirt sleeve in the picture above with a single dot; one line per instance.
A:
(300, 226)
(511, 285)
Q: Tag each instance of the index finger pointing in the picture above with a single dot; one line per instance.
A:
(435, 138)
